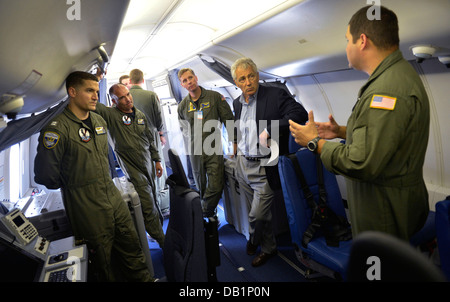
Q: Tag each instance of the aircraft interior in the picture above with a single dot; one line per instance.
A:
(299, 44)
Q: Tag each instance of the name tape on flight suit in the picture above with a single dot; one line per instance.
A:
(383, 102)
(204, 105)
(100, 130)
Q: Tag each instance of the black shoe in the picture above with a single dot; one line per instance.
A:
(262, 258)
(251, 249)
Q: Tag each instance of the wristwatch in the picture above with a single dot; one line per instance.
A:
(312, 144)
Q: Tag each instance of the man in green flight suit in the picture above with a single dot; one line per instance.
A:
(148, 102)
(199, 112)
(72, 154)
(386, 134)
(134, 146)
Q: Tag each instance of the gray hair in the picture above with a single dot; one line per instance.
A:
(243, 63)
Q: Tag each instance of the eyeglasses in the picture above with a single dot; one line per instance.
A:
(251, 77)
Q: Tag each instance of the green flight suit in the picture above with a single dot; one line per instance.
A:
(74, 157)
(148, 102)
(205, 147)
(387, 137)
(133, 144)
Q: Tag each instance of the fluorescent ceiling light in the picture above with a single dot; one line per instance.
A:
(182, 27)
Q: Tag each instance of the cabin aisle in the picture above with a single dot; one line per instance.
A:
(235, 264)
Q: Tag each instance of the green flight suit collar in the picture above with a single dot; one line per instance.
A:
(75, 119)
(202, 95)
(390, 60)
(125, 113)
(196, 104)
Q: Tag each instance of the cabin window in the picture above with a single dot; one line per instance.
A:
(14, 172)
(9, 178)
(2, 176)
(162, 89)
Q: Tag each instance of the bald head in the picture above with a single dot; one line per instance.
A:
(121, 97)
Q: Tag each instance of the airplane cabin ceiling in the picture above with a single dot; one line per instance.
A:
(37, 37)
(284, 37)
(294, 38)
(159, 35)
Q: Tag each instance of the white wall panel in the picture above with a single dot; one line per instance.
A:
(310, 95)
(341, 89)
(437, 81)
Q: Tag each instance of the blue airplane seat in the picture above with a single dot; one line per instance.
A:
(317, 255)
(293, 146)
(427, 233)
(443, 234)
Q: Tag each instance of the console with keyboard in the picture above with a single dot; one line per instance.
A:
(62, 260)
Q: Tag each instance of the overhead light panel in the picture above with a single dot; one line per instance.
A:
(422, 52)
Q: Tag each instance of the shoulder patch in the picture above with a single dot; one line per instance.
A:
(383, 102)
(50, 139)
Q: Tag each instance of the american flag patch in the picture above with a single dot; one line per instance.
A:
(383, 102)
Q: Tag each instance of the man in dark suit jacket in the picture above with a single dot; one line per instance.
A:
(262, 113)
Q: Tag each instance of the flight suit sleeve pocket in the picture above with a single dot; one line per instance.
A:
(357, 149)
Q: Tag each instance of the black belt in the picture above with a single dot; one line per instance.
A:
(249, 158)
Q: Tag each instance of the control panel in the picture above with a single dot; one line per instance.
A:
(20, 226)
(41, 245)
(66, 266)
(62, 260)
